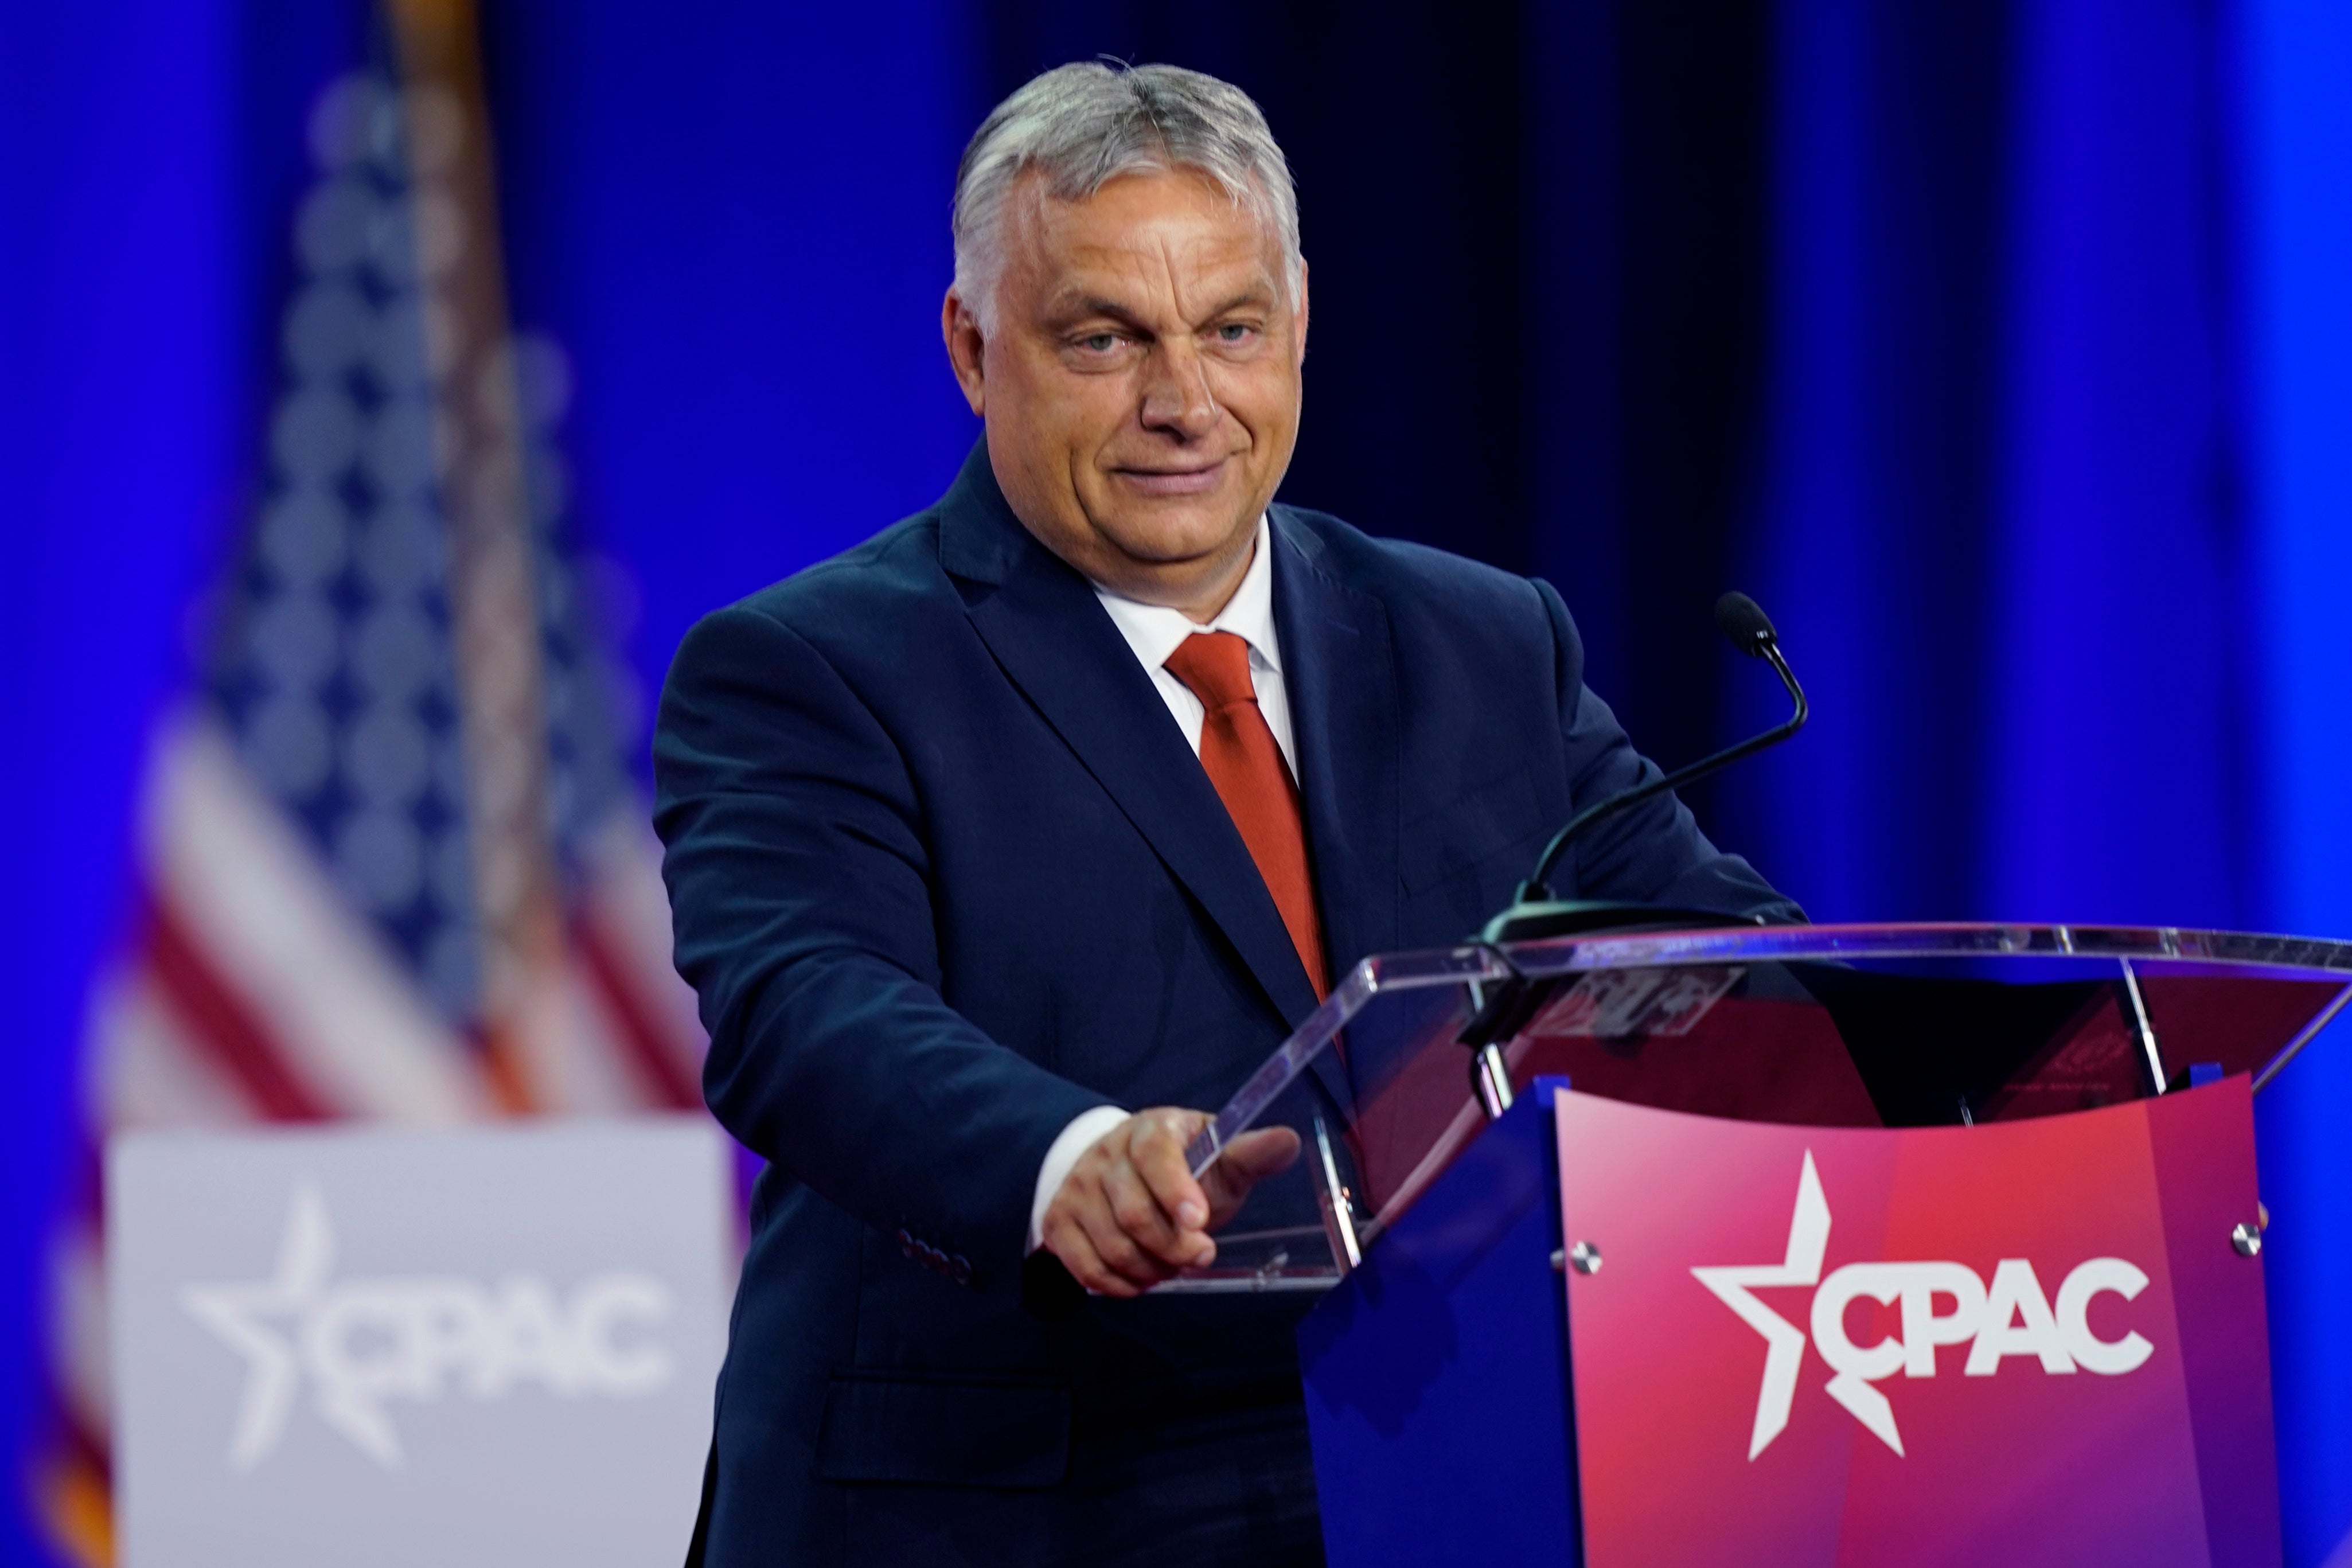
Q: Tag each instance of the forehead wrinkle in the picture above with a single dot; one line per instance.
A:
(1201, 260)
(1147, 283)
(1111, 277)
(1156, 258)
(1201, 294)
(1178, 278)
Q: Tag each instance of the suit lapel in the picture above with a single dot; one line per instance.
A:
(1339, 669)
(1049, 633)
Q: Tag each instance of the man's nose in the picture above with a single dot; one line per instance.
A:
(1176, 396)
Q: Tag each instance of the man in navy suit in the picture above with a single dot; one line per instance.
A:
(1004, 843)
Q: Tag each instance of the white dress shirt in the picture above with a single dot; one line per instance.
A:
(1155, 631)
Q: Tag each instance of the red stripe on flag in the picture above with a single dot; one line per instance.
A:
(664, 1077)
(224, 1024)
(72, 1487)
(74, 1436)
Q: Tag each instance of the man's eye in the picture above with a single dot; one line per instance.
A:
(1236, 332)
(1099, 342)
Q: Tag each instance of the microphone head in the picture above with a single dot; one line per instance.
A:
(1743, 620)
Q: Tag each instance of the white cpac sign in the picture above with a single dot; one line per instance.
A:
(365, 1341)
(2010, 1317)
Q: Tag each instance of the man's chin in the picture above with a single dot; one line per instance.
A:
(1174, 536)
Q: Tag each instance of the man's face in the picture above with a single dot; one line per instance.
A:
(1142, 387)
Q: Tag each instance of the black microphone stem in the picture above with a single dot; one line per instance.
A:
(1537, 887)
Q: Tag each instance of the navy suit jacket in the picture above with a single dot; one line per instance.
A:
(945, 874)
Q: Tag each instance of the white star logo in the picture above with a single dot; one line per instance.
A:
(306, 1256)
(1809, 1239)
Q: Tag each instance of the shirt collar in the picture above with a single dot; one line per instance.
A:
(1155, 631)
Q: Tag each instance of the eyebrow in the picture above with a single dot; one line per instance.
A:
(1087, 305)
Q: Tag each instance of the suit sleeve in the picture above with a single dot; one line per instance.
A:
(799, 884)
(1655, 853)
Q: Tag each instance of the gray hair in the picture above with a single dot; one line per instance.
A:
(1081, 126)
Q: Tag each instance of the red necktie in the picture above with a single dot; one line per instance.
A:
(1246, 767)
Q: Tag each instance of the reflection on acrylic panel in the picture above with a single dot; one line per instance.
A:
(1810, 1026)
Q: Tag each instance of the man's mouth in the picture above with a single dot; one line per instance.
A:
(1198, 480)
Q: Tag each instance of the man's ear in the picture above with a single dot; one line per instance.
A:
(1302, 309)
(967, 352)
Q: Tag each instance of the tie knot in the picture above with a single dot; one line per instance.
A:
(1215, 667)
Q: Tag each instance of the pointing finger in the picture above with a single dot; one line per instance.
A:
(1158, 1152)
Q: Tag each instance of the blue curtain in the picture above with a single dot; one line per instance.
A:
(2057, 511)
(2004, 352)
(141, 145)
(2295, 130)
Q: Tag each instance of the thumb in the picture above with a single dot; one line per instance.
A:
(1246, 1162)
(1266, 1151)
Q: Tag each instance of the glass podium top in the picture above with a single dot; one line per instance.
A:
(1859, 1026)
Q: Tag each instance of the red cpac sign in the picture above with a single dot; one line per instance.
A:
(2027, 1343)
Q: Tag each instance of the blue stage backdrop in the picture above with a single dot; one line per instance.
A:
(147, 159)
(2296, 127)
(2003, 351)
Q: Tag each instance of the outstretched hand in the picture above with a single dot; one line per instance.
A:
(1130, 1214)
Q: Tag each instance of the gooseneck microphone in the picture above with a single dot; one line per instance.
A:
(1534, 913)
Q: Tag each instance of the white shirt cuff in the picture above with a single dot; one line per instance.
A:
(1085, 1131)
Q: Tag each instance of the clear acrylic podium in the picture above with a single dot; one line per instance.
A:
(1858, 1025)
(1482, 1128)
(1927, 1115)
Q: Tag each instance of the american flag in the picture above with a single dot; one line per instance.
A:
(393, 861)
